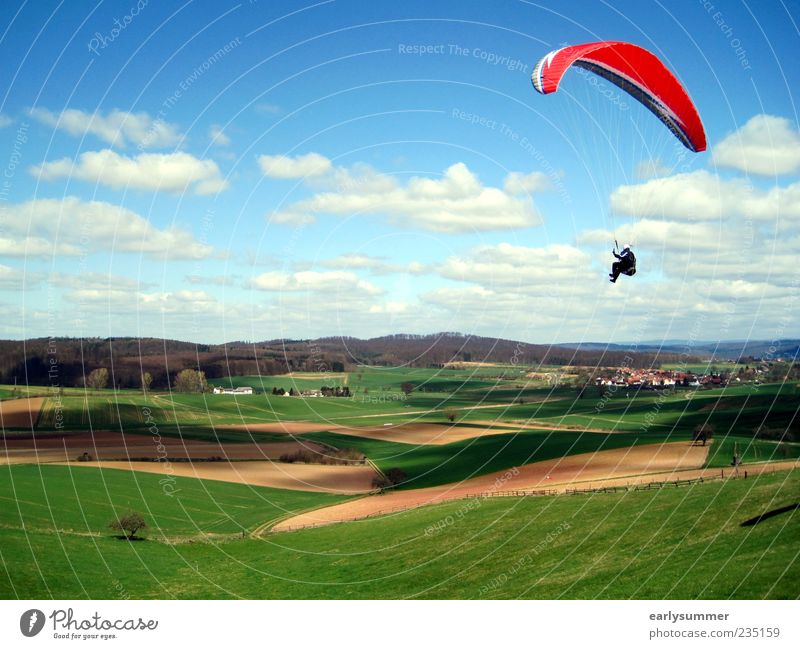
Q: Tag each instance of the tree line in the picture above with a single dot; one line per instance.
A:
(70, 361)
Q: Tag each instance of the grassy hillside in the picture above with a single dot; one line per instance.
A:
(675, 543)
(749, 450)
(83, 500)
(426, 466)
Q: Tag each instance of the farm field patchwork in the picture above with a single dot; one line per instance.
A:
(458, 432)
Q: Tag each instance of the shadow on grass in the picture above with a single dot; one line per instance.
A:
(766, 515)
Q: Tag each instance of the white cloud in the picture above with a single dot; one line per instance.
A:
(315, 281)
(520, 268)
(377, 265)
(179, 302)
(72, 227)
(765, 145)
(279, 166)
(95, 281)
(25, 246)
(218, 136)
(702, 196)
(211, 280)
(16, 279)
(647, 169)
(118, 128)
(297, 219)
(390, 308)
(172, 172)
(657, 235)
(180, 307)
(519, 183)
(5, 120)
(456, 202)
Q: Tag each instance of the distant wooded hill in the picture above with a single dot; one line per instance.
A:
(65, 361)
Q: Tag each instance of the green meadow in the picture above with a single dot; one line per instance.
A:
(679, 543)
(378, 397)
(430, 465)
(470, 397)
(82, 500)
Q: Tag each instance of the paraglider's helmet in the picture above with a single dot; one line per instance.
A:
(627, 246)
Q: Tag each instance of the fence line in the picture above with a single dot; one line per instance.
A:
(733, 474)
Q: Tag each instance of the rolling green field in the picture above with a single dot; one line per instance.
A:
(679, 543)
(429, 465)
(474, 395)
(749, 450)
(732, 410)
(83, 500)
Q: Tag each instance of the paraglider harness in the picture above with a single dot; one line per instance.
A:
(630, 259)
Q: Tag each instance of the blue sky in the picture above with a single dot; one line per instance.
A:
(215, 171)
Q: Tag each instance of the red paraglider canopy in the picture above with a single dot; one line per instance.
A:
(636, 71)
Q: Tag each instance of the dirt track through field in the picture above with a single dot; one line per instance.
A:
(618, 466)
(20, 413)
(109, 445)
(420, 433)
(301, 477)
(543, 425)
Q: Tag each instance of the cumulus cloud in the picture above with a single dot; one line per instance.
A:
(16, 279)
(171, 308)
(519, 267)
(117, 128)
(519, 183)
(647, 169)
(218, 136)
(390, 308)
(455, 202)
(314, 281)
(703, 196)
(279, 166)
(376, 265)
(297, 219)
(94, 281)
(766, 145)
(25, 246)
(211, 280)
(71, 227)
(171, 172)
(659, 235)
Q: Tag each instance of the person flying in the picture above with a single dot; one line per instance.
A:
(626, 264)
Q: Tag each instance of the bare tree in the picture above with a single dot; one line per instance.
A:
(407, 388)
(97, 379)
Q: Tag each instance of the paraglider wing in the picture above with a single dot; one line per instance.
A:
(636, 71)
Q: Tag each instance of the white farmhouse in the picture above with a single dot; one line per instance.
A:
(245, 389)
